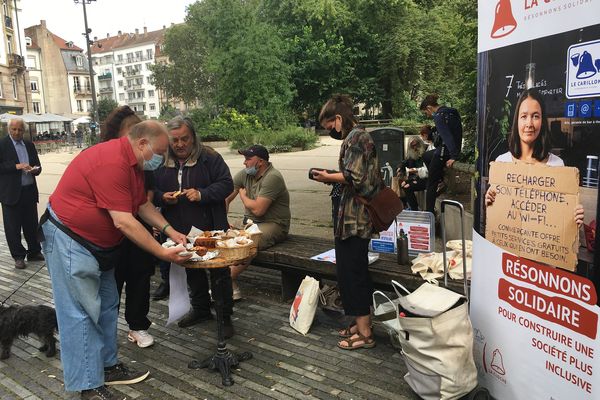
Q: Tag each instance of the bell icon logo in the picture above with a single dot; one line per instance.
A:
(497, 363)
(504, 21)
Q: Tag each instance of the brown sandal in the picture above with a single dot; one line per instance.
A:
(348, 331)
(367, 342)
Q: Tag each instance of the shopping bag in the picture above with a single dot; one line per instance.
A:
(331, 300)
(436, 336)
(304, 306)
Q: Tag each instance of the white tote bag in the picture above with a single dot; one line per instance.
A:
(437, 343)
(304, 306)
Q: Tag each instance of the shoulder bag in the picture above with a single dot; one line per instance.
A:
(382, 208)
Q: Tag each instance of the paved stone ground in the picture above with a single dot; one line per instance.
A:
(286, 365)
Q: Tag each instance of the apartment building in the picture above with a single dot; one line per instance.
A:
(60, 71)
(14, 81)
(122, 65)
(33, 62)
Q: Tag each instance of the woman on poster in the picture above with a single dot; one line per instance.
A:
(529, 141)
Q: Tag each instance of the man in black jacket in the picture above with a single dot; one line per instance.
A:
(19, 165)
(204, 180)
(449, 128)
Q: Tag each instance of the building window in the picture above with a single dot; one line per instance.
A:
(27, 40)
(149, 80)
(140, 94)
(152, 107)
(149, 54)
(150, 93)
(36, 107)
(14, 85)
(88, 86)
(120, 83)
(129, 82)
(79, 106)
(139, 55)
(79, 61)
(34, 86)
(120, 57)
(9, 43)
(119, 70)
(139, 81)
(131, 96)
(129, 57)
(76, 84)
(148, 66)
(89, 105)
(5, 7)
(31, 62)
(1, 91)
(122, 96)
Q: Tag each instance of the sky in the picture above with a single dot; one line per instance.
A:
(65, 18)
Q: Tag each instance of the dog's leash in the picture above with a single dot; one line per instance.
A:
(22, 284)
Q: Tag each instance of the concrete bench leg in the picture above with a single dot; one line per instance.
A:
(290, 282)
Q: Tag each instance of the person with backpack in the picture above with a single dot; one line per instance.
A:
(449, 129)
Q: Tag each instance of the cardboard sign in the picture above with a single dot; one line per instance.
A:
(533, 214)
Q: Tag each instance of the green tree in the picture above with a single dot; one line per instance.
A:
(223, 56)
(185, 77)
(105, 106)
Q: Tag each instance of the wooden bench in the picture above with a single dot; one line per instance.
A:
(293, 259)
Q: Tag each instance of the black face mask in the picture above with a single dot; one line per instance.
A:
(335, 134)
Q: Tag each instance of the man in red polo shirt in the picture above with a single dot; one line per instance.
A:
(92, 208)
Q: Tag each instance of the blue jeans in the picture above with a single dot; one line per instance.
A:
(86, 302)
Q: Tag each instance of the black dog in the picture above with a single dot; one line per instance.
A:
(18, 321)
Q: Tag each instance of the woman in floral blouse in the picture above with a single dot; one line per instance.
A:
(358, 176)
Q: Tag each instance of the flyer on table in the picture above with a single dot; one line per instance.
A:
(535, 282)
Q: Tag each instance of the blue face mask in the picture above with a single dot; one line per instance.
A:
(251, 170)
(154, 162)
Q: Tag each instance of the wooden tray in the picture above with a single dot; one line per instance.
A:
(220, 262)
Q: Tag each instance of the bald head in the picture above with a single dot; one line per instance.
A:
(147, 129)
(16, 128)
(148, 138)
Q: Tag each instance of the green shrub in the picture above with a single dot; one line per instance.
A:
(295, 137)
(410, 126)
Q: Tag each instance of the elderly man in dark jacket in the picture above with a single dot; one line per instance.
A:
(204, 180)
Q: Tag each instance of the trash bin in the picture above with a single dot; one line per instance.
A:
(389, 143)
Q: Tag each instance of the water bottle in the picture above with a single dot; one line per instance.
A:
(402, 248)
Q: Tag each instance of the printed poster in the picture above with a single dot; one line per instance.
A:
(535, 328)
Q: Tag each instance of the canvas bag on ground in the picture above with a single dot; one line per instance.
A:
(304, 306)
(437, 348)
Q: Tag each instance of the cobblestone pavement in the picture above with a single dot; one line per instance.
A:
(286, 365)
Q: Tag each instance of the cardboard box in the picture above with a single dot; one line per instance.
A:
(533, 214)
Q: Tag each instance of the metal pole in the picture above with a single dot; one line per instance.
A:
(21, 54)
(91, 70)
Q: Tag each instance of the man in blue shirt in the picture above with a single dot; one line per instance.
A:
(19, 165)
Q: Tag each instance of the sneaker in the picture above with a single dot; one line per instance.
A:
(194, 317)
(20, 263)
(121, 375)
(36, 257)
(161, 292)
(101, 393)
(142, 338)
(237, 293)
